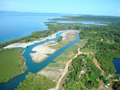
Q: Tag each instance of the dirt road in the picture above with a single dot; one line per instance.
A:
(66, 69)
(96, 64)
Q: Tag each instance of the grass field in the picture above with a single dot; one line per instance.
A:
(12, 63)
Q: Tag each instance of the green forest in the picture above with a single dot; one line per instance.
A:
(88, 18)
(105, 42)
(84, 76)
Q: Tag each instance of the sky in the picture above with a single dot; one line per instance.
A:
(90, 7)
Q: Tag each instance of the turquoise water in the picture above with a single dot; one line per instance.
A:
(35, 67)
(116, 63)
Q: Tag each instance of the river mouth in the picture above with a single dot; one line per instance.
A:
(116, 63)
(35, 67)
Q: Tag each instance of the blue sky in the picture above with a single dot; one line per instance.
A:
(93, 7)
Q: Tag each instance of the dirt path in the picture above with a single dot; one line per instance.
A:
(67, 65)
(66, 69)
(96, 64)
(100, 87)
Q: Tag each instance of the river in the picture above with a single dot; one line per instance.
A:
(35, 67)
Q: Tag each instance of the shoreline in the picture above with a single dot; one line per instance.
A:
(24, 45)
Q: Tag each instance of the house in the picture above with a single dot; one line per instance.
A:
(82, 72)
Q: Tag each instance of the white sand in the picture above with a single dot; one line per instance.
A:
(69, 35)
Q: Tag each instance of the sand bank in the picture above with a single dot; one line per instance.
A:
(44, 49)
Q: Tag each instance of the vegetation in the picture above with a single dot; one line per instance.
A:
(89, 18)
(85, 80)
(66, 55)
(106, 60)
(116, 85)
(104, 41)
(59, 39)
(60, 44)
(12, 63)
(94, 18)
(36, 82)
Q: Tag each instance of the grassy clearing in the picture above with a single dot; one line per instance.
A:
(11, 64)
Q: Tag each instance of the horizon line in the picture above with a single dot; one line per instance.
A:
(52, 13)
